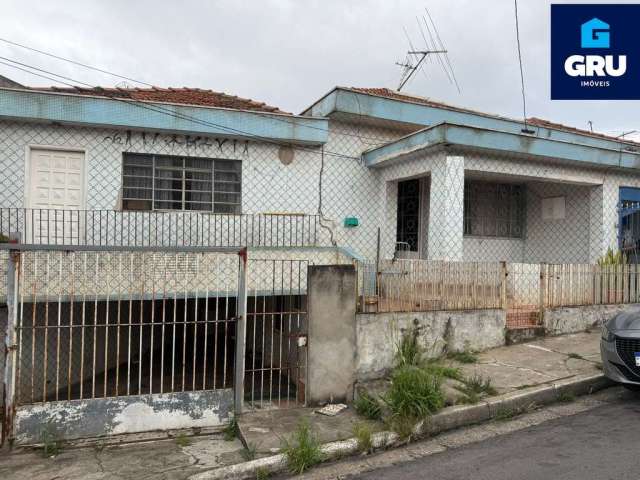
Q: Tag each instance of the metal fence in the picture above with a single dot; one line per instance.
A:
(33, 226)
(97, 324)
(420, 285)
(524, 290)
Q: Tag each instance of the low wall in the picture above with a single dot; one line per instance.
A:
(111, 416)
(578, 319)
(378, 335)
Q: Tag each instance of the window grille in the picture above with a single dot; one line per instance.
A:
(493, 209)
(162, 182)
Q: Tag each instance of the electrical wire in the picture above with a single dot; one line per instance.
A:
(159, 109)
(107, 72)
(524, 98)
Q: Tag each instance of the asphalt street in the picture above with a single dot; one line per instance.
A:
(602, 443)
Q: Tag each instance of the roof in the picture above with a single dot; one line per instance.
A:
(184, 95)
(404, 97)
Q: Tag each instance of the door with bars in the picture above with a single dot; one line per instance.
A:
(276, 334)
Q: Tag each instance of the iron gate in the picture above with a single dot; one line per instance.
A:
(103, 331)
(276, 334)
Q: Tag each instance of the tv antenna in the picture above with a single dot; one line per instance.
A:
(415, 58)
(409, 68)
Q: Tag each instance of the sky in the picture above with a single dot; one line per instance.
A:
(289, 53)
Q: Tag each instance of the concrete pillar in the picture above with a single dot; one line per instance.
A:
(603, 219)
(596, 226)
(446, 209)
(331, 364)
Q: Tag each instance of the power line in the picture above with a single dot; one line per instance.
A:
(16, 44)
(107, 72)
(158, 109)
(524, 98)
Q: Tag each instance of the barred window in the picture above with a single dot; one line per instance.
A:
(162, 182)
(494, 209)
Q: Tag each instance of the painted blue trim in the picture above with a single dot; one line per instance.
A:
(347, 101)
(85, 110)
(630, 194)
(468, 136)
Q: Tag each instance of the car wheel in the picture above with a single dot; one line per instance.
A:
(631, 387)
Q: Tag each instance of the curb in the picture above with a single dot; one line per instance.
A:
(448, 419)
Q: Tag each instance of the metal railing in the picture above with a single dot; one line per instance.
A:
(33, 226)
(404, 285)
(524, 290)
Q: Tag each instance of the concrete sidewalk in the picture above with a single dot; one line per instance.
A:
(511, 369)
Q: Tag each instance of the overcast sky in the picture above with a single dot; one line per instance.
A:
(288, 53)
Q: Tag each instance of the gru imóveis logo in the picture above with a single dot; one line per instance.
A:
(592, 52)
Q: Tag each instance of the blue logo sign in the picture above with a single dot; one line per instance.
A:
(595, 34)
(595, 52)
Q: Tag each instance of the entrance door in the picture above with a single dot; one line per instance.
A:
(408, 228)
(56, 193)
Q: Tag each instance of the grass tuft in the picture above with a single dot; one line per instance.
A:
(363, 432)
(182, 440)
(437, 368)
(566, 397)
(465, 356)
(231, 431)
(302, 451)
(414, 393)
(409, 352)
(262, 473)
(368, 406)
(250, 451)
(575, 355)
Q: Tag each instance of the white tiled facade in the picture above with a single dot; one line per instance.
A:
(350, 189)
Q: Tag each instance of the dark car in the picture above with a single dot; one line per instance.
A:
(620, 349)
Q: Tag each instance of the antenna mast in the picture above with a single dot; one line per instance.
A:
(409, 69)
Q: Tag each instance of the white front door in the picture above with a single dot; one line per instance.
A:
(56, 193)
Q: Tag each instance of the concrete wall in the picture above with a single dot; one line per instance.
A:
(378, 335)
(332, 333)
(112, 416)
(578, 319)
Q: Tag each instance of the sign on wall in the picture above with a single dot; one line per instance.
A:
(595, 52)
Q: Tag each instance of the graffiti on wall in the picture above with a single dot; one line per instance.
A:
(195, 142)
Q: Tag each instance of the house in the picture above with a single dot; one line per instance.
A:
(440, 181)
(131, 208)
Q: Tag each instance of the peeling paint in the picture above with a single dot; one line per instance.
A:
(75, 419)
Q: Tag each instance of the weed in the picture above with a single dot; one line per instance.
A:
(250, 452)
(526, 385)
(262, 473)
(409, 351)
(414, 393)
(182, 440)
(368, 406)
(566, 397)
(51, 446)
(435, 367)
(474, 388)
(504, 413)
(575, 355)
(231, 431)
(303, 450)
(465, 356)
(362, 432)
(402, 426)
